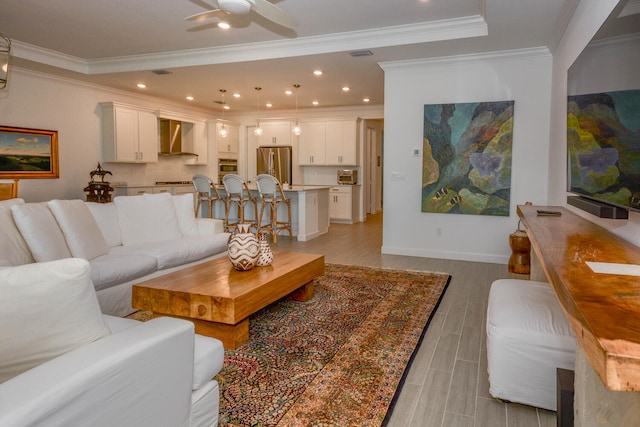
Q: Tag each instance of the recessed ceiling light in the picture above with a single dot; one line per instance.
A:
(315, 103)
(226, 107)
(189, 98)
(346, 89)
(269, 105)
(366, 100)
(224, 25)
(288, 92)
(236, 95)
(141, 85)
(318, 72)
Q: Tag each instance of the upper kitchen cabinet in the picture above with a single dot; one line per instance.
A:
(129, 134)
(312, 145)
(275, 133)
(231, 143)
(342, 142)
(329, 143)
(197, 138)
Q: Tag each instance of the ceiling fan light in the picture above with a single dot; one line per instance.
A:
(240, 7)
(224, 25)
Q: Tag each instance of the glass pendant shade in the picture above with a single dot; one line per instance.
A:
(5, 50)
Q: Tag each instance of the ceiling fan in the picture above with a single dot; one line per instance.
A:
(242, 7)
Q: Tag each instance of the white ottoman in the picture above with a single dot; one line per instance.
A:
(528, 337)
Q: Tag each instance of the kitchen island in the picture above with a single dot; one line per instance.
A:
(309, 210)
(309, 204)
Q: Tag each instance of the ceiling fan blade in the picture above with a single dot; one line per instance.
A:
(274, 14)
(203, 16)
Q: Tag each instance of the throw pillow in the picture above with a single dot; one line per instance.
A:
(46, 310)
(184, 206)
(41, 231)
(107, 219)
(84, 238)
(13, 248)
(146, 218)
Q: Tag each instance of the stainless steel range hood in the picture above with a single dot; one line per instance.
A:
(171, 138)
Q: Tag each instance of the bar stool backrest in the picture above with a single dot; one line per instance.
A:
(204, 184)
(268, 185)
(235, 186)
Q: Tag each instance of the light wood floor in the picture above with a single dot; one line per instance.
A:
(447, 384)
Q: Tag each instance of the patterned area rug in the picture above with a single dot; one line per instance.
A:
(336, 360)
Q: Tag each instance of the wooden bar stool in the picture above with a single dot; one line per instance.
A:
(238, 194)
(272, 196)
(206, 192)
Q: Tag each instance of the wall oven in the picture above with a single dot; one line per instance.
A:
(227, 166)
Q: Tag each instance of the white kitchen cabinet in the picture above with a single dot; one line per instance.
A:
(275, 133)
(329, 143)
(129, 135)
(196, 140)
(230, 144)
(341, 143)
(311, 146)
(343, 204)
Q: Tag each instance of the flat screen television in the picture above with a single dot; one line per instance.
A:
(603, 113)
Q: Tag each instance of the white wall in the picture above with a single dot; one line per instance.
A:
(522, 76)
(40, 101)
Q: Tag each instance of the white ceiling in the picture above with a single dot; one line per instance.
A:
(118, 42)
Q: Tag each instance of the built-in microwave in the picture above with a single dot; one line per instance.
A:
(347, 177)
(226, 167)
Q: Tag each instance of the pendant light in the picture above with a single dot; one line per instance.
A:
(296, 128)
(5, 51)
(223, 131)
(258, 130)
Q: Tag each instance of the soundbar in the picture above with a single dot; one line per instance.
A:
(599, 209)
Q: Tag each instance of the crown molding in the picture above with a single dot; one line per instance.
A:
(448, 29)
(503, 55)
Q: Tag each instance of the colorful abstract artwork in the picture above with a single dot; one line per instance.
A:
(466, 162)
(603, 137)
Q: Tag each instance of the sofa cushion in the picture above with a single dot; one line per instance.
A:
(40, 230)
(184, 206)
(80, 229)
(107, 220)
(13, 248)
(172, 253)
(46, 310)
(146, 218)
(110, 270)
(208, 358)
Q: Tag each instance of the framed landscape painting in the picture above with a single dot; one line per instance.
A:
(28, 153)
(466, 163)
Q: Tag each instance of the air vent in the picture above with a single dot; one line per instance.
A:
(361, 53)
(161, 72)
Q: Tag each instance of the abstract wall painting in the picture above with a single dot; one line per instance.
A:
(466, 162)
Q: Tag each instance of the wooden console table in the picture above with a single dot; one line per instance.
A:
(603, 309)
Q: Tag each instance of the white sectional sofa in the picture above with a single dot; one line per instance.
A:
(67, 356)
(63, 363)
(128, 241)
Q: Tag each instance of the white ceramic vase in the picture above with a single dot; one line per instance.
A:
(243, 248)
(266, 254)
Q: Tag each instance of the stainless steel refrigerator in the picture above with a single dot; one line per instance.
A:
(276, 161)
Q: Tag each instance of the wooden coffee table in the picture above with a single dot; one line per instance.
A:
(219, 299)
